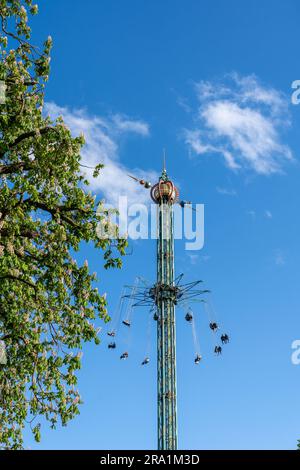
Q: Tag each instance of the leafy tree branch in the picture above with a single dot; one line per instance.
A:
(49, 305)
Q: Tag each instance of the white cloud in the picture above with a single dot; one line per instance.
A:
(241, 120)
(279, 258)
(102, 136)
(268, 214)
(226, 191)
(194, 258)
(124, 124)
(252, 214)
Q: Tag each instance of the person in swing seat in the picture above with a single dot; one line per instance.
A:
(198, 359)
(213, 326)
(225, 339)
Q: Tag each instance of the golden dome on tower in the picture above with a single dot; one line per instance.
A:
(164, 192)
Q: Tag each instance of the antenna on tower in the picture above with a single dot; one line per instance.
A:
(164, 170)
(164, 159)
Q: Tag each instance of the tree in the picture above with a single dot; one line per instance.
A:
(48, 303)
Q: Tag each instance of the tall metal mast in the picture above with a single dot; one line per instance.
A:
(165, 194)
(167, 292)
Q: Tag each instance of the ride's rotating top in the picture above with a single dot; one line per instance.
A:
(164, 191)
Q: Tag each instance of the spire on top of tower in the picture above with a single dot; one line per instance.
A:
(164, 175)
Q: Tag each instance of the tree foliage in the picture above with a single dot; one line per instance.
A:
(48, 303)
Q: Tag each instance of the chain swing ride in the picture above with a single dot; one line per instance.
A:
(161, 298)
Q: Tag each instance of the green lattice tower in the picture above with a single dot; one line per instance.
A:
(165, 194)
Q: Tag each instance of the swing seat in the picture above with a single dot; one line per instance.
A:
(126, 322)
(189, 317)
(112, 334)
(198, 359)
(124, 355)
(145, 361)
(112, 346)
(225, 339)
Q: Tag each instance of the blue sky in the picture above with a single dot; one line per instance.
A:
(211, 82)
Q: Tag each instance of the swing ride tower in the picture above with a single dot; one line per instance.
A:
(162, 298)
(165, 194)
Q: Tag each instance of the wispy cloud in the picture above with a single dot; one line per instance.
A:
(194, 258)
(102, 136)
(226, 191)
(279, 258)
(252, 214)
(243, 121)
(123, 124)
(268, 214)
